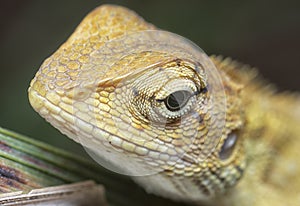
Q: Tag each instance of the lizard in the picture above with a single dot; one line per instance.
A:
(190, 127)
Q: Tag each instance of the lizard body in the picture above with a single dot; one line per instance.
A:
(129, 91)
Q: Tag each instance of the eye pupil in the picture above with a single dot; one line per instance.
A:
(177, 100)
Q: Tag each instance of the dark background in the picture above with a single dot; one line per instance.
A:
(264, 34)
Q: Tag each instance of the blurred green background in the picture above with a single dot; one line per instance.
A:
(264, 34)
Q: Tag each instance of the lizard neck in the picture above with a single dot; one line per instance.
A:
(271, 139)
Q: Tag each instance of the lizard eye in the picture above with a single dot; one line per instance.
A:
(177, 100)
(174, 100)
(228, 146)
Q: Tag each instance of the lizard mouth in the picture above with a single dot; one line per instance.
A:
(102, 145)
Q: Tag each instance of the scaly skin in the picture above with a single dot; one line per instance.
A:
(234, 142)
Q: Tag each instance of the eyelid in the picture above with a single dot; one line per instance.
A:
(192, 94)
(176, 85)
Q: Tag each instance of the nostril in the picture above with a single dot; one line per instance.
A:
(228, 146)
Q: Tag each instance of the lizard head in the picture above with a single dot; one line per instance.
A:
(144, 101)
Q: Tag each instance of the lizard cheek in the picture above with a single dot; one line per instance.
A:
(228, 146)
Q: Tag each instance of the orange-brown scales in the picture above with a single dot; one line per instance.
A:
(200, 129)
